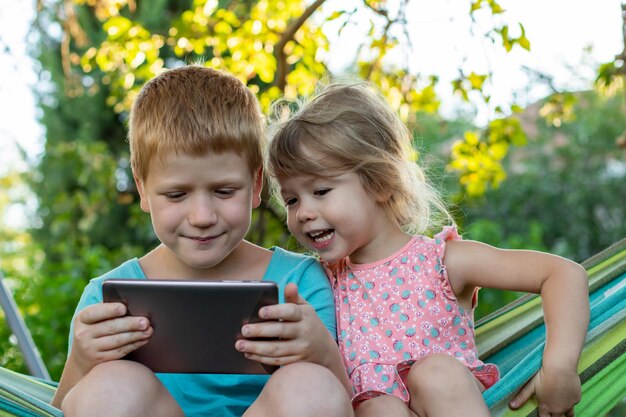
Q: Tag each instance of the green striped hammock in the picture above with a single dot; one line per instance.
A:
(512, 338)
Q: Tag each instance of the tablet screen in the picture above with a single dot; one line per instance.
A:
(196, 323)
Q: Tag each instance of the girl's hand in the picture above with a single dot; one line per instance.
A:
(298, 333)
(557, 392)
(103, 333)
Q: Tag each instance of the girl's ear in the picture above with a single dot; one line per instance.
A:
(257, 187)
(382, 196)
(143, 198)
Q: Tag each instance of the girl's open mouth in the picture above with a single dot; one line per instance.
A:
(321, 238)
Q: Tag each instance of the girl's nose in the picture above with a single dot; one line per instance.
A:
(305, 214)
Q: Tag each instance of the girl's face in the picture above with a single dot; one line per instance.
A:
(336, 217)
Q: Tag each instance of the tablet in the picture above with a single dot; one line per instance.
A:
(196, 323)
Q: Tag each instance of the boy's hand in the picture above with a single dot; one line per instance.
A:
(557, 392)
(300, 334)
(103, 333)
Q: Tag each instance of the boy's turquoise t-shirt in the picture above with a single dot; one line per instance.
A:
(230, 395)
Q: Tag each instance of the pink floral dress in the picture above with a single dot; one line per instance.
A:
(396, 311)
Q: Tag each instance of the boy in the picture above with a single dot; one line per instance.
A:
(196, 138)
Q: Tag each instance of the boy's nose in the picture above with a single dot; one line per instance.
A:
(202, 214)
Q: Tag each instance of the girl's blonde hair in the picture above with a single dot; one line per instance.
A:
(351, 128)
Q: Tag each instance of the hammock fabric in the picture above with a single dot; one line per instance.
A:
(512, 338)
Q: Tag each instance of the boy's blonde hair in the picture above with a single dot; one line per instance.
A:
(351, 128)
(192, 110)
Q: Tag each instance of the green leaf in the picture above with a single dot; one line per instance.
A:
(524, 43)
(475, 5)
(495, 7)
(336, 14)
(117, 27)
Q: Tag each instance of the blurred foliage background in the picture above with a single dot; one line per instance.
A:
(548, 177)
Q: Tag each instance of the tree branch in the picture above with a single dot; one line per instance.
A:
(385, 37)
(280, 80)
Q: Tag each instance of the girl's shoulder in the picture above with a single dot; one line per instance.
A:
(446, 234)
(437, 243)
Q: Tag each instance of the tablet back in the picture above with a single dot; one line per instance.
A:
(196, 323)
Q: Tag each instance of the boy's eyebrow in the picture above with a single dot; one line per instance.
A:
(223, 181)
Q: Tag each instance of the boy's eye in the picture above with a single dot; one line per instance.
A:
(225, 192)
(321, 191)
(174, 195)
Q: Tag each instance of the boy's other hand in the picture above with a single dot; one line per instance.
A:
(103, 332)
(297, 332)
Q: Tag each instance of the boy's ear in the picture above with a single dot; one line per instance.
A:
(143, 200)
(257, 187)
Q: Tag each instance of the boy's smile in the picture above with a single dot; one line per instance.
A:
(200, 206)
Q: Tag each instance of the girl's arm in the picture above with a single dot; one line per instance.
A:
(563, 286)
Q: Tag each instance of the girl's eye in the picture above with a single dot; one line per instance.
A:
(321, 191)
(290, 201)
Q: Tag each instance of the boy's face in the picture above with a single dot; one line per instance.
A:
(200, 205)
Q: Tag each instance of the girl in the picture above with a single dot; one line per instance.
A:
(405, 301)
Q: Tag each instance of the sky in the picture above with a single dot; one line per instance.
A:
(18, 116)
(559, 31)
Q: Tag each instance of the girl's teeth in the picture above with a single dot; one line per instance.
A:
(322, 236)
(322, 239)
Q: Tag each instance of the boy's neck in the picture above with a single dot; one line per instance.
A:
(247, 261)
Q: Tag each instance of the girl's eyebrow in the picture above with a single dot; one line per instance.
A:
(306, 180)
